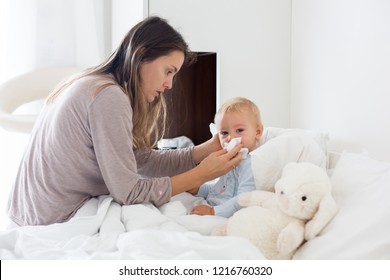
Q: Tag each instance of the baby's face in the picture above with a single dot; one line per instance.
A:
(239, 124)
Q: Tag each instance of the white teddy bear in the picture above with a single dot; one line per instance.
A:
(278, 223)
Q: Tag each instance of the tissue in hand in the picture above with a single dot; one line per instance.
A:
(234, 142)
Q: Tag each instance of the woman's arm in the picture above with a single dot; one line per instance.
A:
(159, 163)
(200, 152)
(117, 161)
(162, 163)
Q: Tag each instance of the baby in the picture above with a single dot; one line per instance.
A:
(237, 121)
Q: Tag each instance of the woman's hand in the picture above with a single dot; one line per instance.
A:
(202, 210)
(214, 143)
(213, 166)
(219, 163)
(200, 152)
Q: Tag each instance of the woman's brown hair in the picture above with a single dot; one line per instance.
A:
(148, 40)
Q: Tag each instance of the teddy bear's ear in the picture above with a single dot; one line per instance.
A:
(326, 211)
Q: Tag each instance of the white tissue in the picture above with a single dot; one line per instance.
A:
(213, 129)
(234, 142)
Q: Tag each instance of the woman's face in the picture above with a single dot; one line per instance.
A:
(157, 75)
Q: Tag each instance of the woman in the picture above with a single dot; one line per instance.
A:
(96, 132)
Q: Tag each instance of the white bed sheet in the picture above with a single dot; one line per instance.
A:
(103, 229)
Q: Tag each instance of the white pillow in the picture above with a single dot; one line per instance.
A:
(321, 138)
(361, 228)
(280, 146)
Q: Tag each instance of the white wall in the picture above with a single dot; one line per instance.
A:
(125, 14)
(341, 72)
(45, 33)
(252, 39)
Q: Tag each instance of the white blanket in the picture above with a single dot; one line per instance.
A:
(102, 229)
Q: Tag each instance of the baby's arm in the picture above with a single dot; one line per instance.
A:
(203, 192)
(227, 209)
(204, 189)
(246, 184)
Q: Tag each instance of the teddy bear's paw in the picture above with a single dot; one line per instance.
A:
(285, 244)
(219, 230)
(311, 230)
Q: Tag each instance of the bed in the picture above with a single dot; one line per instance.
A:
(103, 229)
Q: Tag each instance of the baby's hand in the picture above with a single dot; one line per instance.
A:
(202, 210)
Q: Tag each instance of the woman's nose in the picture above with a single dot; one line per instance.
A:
(168, 84)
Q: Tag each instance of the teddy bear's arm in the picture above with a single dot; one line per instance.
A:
(291, 237)
(256, 198)
(326, 210)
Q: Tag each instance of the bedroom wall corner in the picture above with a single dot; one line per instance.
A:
(340, 66)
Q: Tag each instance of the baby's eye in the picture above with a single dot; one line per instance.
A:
(239, 130)
(224, 133)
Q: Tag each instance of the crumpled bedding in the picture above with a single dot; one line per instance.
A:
(103, 229)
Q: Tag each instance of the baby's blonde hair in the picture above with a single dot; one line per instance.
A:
(239, 104)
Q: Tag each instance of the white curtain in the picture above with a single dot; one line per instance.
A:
(43, 33)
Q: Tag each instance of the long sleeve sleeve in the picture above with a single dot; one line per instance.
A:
(159, 163)
(110, 118)
(241, 180)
